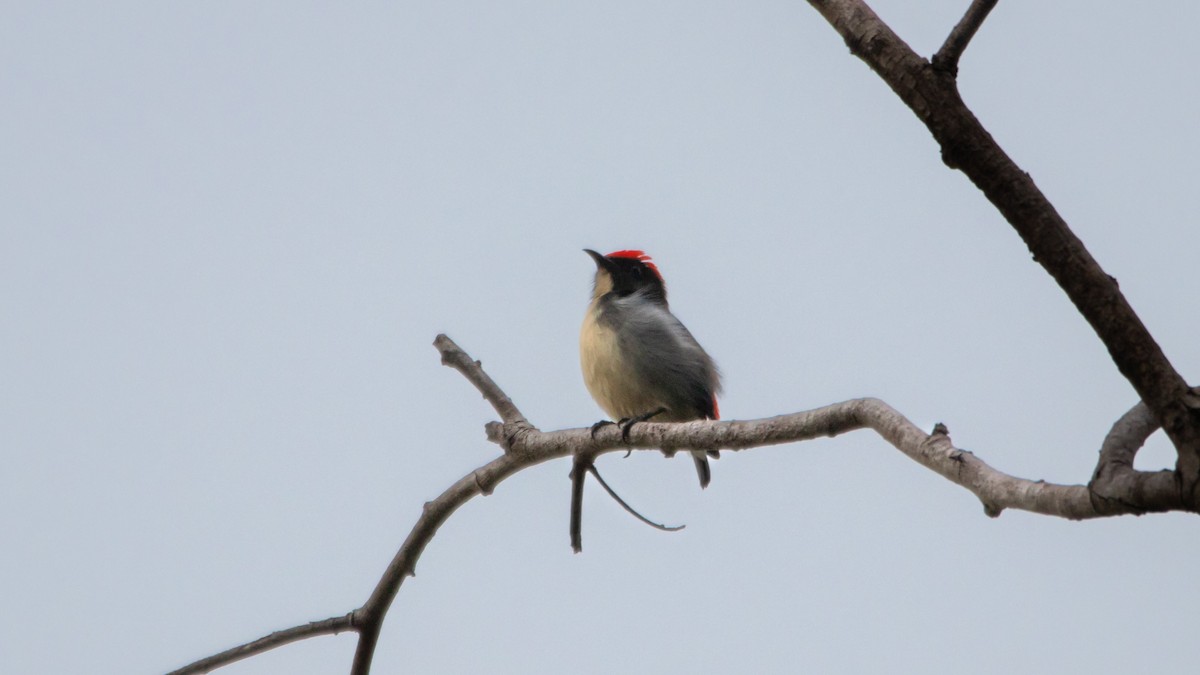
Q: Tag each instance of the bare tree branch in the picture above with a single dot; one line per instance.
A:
(933, 95)
(480, 481)
(995, 489)
(473, 370)
(1116, 487)
(947, 57)
(1131, 492)
(931, 92)
(1115, 479)
(331, 626)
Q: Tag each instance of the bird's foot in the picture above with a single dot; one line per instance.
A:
(627, 423)
(600, 425)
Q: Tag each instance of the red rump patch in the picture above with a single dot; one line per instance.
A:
(716, 410)
(639, 256)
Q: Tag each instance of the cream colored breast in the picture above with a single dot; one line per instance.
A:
(605, 372)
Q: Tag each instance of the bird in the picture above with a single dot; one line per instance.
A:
(640, 362)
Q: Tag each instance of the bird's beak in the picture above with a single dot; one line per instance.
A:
(601, 262)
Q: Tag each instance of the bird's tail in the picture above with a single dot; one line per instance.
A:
(700, 457)
(702, 468)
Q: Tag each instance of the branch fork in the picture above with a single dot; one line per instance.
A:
(930, 91)
(946, 58)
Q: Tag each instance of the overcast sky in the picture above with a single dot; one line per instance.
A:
(230, 231)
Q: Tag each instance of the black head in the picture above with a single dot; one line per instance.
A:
(625, 272)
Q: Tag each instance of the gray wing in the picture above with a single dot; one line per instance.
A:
(677, 369)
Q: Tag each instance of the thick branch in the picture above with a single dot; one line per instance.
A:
(331, 626)
(947, 57)
(933, 95)
(995, 489)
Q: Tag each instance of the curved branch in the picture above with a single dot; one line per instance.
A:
(331, 626)
(995, 489)
(525, 447)
(480, 481)
(932, 94)
(1126, 437)
(1116, 481)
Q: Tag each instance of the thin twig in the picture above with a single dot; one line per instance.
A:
(279, 638)
(579, 466)
(952, 49)
(455, 357)
(613, 493)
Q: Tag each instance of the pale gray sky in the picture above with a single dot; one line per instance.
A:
(230, 231)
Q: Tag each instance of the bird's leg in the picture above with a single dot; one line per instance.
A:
(627, 423)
